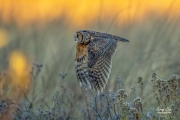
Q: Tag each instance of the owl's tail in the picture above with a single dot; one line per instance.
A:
(121, 39)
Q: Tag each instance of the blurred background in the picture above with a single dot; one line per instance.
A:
(42, 32)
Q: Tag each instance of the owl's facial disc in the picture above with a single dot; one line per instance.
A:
(78, 37)
(86, 38)
(82, 37)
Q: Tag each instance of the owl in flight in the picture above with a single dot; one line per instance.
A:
(93, 61)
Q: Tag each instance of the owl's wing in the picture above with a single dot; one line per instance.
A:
(100, 51)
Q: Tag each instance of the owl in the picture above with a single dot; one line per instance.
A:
(93, 61)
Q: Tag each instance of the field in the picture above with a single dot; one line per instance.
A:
(37, 60)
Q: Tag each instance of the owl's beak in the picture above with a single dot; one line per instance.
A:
(75, 37)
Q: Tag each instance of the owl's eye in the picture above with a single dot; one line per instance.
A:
(80, 37)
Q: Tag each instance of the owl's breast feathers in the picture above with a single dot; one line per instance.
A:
(81, 53)
(82, 71)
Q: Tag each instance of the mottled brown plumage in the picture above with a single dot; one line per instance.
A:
(93, 58)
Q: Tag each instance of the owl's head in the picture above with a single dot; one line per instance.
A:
(82, 37)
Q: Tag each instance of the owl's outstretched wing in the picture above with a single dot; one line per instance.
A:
(100, 51)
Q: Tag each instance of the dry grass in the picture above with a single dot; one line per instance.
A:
(153, 47)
